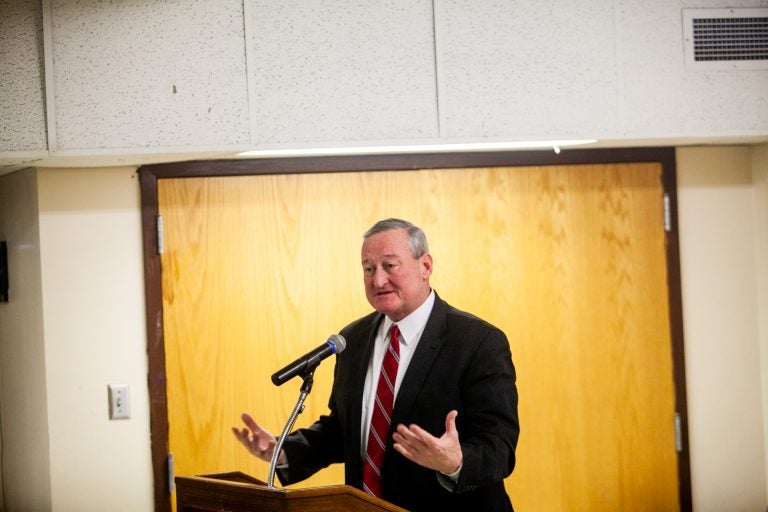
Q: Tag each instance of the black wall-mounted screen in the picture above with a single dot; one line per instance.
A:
(3, 272)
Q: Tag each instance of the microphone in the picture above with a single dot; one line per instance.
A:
(334, 345)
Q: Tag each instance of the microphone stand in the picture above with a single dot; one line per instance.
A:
(306, 387)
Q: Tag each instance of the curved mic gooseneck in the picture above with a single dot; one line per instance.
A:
(306, 387)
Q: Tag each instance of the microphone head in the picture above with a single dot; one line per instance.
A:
(338, 343)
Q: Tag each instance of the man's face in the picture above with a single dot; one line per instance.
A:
(396, 283)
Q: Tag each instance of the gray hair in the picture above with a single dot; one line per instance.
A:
(417, 240)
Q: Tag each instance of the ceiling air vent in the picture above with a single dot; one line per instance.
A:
(723, 39)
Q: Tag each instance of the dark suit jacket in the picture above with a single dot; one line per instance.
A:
(462, 363)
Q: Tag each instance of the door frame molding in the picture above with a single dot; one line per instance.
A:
(150, 174)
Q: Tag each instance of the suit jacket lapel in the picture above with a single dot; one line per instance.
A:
(421, 362)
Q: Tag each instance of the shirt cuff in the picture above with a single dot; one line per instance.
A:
(449, 480)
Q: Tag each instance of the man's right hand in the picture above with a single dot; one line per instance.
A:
(257, 441)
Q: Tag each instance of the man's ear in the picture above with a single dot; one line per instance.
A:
(426, 265)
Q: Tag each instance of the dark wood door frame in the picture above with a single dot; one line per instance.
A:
(149, 174)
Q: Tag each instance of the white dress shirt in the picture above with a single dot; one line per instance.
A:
(411, 328)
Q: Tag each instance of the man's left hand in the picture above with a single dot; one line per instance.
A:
(439, 453)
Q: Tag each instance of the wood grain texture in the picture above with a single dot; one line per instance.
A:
(569, 261)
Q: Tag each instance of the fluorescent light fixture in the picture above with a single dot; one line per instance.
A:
(555, 145)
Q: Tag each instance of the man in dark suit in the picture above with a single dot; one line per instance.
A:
(449, 439)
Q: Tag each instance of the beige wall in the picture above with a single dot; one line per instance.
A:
(93, 295)
(760, 184)
(89, 311)
(718, 226)
(23, 402)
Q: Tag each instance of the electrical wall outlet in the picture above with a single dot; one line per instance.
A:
(119, 401)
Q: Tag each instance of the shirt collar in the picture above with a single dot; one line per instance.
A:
(412, 325)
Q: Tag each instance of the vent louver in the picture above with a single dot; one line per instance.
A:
(726, 38)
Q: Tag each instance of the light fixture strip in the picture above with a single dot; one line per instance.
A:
(555, 145)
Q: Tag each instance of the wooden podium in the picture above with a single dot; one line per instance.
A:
(238, 492)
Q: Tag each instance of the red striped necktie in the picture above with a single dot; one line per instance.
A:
(381, 417)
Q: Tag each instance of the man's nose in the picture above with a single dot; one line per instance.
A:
(380, 278)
